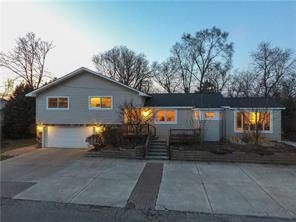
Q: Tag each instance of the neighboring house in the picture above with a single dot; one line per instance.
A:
(68, 109)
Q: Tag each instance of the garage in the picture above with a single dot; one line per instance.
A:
(67, 137)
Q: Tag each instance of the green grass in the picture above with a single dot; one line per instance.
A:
(14, 144)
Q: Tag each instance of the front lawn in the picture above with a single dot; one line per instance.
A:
(14, 144)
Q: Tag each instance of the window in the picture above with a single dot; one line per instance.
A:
(100, 102)
(209, 115)
(196, 114)
(251, 120)
(58, 102)
(166, 116)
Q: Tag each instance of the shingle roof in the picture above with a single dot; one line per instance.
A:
(200, 100)
(252, 102)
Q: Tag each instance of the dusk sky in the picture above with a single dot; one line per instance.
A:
(81, 29)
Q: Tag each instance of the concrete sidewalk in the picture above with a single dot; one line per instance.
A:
(214, 188)
(19, 210)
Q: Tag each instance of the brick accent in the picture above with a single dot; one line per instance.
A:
(145, 193)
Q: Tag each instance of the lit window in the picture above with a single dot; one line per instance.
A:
(106, 102)
(166, 116)
(57, 103)
(170, 116)
(209, 115)
(253, 120)
(95, 102)
(160, 116)
(196, 114)
(98, 102)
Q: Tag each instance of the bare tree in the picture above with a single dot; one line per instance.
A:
(210, 50)
(217, 79)
(7, 88)
(166, 76)
(125, 66)
(184, 62)
(28, 59)
(242, 83)
(272, 65)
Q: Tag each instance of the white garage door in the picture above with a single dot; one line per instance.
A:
(68, 137)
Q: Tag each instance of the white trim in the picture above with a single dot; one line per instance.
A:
(170, 107)
(165, 122)
(261, 131)
(99, 108)
(207, 109)
(77, 71)
(258, 108)
(48, 97)
(202, 114)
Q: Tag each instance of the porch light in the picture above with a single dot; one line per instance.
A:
(39, 128)
(145, 113)
(99, 129)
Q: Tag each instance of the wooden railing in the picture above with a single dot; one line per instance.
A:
(138, 129)
(181, 136)
(146, 145)
(134, 129)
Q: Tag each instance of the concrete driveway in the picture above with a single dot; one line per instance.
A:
(66, 176)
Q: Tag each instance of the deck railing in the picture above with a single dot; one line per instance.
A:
(181, 136)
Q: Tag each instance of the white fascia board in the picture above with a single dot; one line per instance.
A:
(207, 109)
(170, 107)
(257, 108)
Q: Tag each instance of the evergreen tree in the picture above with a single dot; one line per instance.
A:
(19, 114)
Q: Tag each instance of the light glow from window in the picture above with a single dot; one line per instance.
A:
(252, 120)
(209, 115)
(166, 116)
(100, 102)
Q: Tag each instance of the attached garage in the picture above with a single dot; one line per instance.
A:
(67, 137)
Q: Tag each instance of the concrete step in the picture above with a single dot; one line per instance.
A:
(157, 150)
(157, 144)
(157, 157)
(157, 153)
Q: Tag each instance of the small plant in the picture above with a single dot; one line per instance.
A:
(96, 141)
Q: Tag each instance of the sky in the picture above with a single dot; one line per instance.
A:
(79, 29)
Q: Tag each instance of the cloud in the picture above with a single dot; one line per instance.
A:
(73, 47)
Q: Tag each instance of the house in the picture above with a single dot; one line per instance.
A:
(69, 109)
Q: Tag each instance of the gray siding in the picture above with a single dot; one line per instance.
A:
(211, 130)
(276, 120)
(78, 89)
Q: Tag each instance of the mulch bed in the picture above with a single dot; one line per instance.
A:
(226, 148)
(118, 152)
(277, 154)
